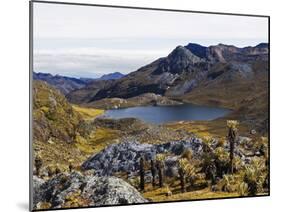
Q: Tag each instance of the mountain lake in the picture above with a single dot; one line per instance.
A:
(162, 114)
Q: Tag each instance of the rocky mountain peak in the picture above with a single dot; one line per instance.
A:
(262, 45)
(198, 50)
(178, 61)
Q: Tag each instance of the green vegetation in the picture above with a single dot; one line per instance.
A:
(160, 167)
(63, 133)
(220, 173)
(38, 164)
(53, 117)
(66, 135)
(87, 113)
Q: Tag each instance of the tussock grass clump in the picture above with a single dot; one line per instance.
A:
(255, 175)
(187, 154)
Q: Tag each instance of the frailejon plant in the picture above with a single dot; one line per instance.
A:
(187, 173)
(221, 161)
(160, 158)
(142, 174)
(208, 166)
(255, 176)
(232, 133)
(182, 163)
(153, 172)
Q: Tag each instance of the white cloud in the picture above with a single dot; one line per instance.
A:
(90, 62)
(89, 41)
(72, 21)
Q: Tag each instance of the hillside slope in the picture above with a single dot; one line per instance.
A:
(53, 116)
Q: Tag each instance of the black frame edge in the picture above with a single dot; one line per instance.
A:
(147, 8)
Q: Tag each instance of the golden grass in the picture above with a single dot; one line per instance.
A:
(55, 153)
(59, 153)
(87, 113)
(98, 140)
(159, 194)
(215, 129)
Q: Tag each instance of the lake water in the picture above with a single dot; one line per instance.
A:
(162, 114)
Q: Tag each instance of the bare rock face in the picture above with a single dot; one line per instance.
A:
(125, 156)
(75, 189)
(111, 191)
(178, 61)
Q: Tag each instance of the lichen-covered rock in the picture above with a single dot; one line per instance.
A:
(37, 182)
(111, 191)
(125, 156)
(76, 190)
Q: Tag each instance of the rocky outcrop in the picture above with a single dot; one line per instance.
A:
(75, 189)
(125, 156)
(180, 60)
(141, 100)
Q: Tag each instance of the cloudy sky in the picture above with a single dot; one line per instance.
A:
(86, 41)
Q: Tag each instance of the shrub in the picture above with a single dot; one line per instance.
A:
(221, 143)
(38, 164)
(187, 173)
(255, 176)
(168, 191)
(187, 154)
(243, 189)
(221, 161)
(228, 183)
(208, 167)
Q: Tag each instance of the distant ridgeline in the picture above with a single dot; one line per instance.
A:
(219, 75)
(68, 84)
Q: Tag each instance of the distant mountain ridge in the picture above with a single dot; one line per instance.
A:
(68, 84)
(183, 70)
(62, 83)
(111, 76)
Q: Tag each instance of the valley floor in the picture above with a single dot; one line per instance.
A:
(56, 154)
